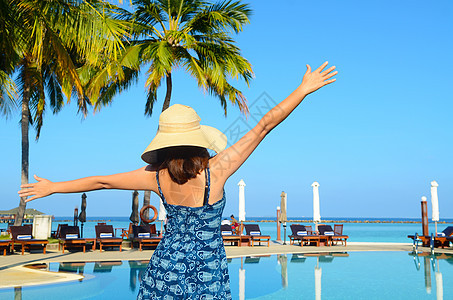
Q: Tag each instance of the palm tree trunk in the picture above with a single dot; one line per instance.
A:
(18, 293)
(168, 94)
(25, 146)
(147, 197)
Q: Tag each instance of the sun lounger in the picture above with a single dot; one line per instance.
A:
(298, 258)
(5, 245)
(57, 233)
(339, 236)
(70, 237)
(105, 266)
(106, 237)
(254, 231)
(72, 267)
(252, 259)
(23, 235)
(145, 235)
(127, 233)
(229, 236)
(332, 235)
(326, 258)
(303, 235)
(442, 239)
(446, 232)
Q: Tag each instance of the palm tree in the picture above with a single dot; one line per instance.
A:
(55, 39)
(194, 35)
(8, 58)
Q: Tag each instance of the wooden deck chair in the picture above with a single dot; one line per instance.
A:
(5, 245)
(23, 235)
(72, 267)
(302, 234)
(70, 237)
(229, 236)
(254, 231)
(339, 236)
(56, 233)
(145, 235)
(106, 237)
(105, 266)
(442, 239)
(326, 233)
(127, 233)
(298, 258)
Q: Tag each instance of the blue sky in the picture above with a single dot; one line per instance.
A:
(374, 139)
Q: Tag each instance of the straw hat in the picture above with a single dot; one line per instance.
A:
(179, 125)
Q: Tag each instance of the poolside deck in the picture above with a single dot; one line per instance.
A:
(12, 273)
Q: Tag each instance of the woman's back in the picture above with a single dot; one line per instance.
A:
(190, 261)
(191, 193)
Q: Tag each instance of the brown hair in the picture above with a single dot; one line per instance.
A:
(184, 162)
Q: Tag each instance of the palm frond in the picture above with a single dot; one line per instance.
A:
(66, 67)
(8, 95)
(151, 98)
(221, 16)
(148, 14)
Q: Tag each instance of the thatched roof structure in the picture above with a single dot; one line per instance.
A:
(28, 211)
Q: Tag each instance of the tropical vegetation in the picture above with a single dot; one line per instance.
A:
(52, 51)
(196, 36)
(45, 44)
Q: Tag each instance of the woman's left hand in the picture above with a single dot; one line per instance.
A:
(40, 189)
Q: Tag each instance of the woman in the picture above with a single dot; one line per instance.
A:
(190, 261)
(234, 224)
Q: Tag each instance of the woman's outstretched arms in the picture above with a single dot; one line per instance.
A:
(229, 160)
(141, 179)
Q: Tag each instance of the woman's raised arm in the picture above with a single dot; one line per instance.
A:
(141, 179)
(229, 160)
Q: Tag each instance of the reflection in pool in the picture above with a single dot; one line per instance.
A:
(333, 275)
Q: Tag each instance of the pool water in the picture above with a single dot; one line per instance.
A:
(354, 275)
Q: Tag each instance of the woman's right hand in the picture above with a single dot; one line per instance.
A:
(315, 80)
(41, 188)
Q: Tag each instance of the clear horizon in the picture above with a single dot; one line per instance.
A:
(374, 139)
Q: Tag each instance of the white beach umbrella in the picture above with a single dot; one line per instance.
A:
(162, 216)
(434, 204)
(427, 273)
(283, 205)
(283, 261)
(282, 217)
(316, 210)
(241, 185)
(318, 273)
(162, 211)
(439, 286)
(241, 284)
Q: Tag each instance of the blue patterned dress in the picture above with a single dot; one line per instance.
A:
(190, 261)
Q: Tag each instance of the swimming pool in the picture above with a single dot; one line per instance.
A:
(354, 275)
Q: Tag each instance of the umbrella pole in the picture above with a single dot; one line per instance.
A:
(435, 226)
(278, 224)
(284, 233)
(81, 233)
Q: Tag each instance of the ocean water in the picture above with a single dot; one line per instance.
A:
(362, 231)
(335, 275)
